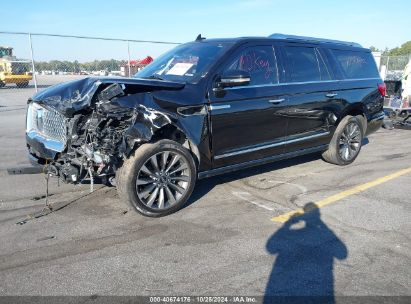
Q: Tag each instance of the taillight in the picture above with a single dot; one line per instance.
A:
(383, 89)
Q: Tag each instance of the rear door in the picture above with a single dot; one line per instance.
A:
(312, 96)
(247, 121)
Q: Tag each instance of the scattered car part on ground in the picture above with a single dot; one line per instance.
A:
(25, 170)
(397, 112)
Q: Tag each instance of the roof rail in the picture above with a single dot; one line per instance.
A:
(312, 39)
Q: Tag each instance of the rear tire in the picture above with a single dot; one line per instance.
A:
(346, 142)
(157, 179)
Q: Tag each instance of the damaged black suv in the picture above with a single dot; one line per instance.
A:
(205, 108)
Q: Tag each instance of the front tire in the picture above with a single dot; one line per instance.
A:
(157, 179)
(346, 142)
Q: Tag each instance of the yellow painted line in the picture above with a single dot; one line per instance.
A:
(339, 196)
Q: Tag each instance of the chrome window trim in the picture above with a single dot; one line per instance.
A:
(272, 145)
(276, 64)
(318, 62)
(297, 83)
(323, 61)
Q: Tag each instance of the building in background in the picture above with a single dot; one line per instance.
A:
(135, 66)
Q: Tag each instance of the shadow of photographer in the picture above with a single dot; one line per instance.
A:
(303, 269)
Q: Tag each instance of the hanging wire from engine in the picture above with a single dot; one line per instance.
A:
(91, 179)
(46, 170)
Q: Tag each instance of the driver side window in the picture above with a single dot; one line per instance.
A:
(258, 61)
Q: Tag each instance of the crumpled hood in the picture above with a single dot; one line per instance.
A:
(70, 97)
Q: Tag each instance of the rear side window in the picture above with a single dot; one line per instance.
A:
(305, 64)
(355, 65)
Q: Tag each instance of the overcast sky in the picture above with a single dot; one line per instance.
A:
(378, 23)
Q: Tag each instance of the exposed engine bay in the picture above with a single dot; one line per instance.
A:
(97, 140)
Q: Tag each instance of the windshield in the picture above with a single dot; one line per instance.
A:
(5, 52)
(19, 68)
(187, 62)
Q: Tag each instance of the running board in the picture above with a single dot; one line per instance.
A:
(259, 162)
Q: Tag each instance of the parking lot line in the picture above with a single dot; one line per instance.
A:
(339, 196)
(249, 198)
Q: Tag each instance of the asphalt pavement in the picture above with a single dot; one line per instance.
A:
(227, 241)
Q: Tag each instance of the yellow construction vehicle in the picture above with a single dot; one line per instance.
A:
(13, 70)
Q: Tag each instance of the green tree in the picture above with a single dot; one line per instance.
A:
(404, 49)
(76, 67)
(374, 49)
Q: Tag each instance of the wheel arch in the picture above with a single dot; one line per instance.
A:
(143, 133)
(357, 110)
(172, 132)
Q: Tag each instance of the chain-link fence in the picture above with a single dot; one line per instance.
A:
(34, 61)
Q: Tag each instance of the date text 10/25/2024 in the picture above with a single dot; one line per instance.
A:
(203, 299)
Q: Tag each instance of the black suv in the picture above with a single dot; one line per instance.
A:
(205, 108)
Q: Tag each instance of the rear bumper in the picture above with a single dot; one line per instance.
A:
(374, 122)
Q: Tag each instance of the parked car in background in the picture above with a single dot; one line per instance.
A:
(205, 108)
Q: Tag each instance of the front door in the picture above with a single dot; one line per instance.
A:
(247, 122)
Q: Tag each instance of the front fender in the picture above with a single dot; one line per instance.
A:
(152, 114)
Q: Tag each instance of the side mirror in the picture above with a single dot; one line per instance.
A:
(233, 79)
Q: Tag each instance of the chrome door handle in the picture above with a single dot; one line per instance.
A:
(276, 101)
(331, 95)
(219, 107)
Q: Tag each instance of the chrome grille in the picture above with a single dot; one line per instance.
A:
(54, 126)
(47, 123)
